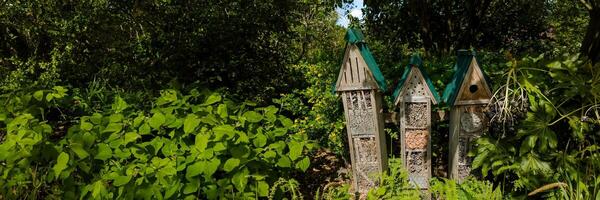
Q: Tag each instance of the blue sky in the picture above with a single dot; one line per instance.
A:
(350, 9)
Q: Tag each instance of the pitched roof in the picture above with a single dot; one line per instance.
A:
(355, 37)
(416, 61)
(463, 61)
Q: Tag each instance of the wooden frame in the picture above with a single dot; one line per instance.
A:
(415, 90)
(364, 121)
(470, 104)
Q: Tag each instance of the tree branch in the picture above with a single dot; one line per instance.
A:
(586, 4)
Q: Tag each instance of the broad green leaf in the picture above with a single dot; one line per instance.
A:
(555, 65)
(119, 105)
(270, 154)
(253, 116)
(130, 137)
(240, 179)
(96, 118)
(172, 190)
(104, 152)
(190, 123)
(61, 163)
(260, 140)
(223, 130)
(49, 97)
(88, 139)
(157, 120)
(116, 117)
(195, 169)
(219, 146)
(121, 180)
(166, 96)
(270, 113)
(286, 122)
(112, 128)
(201, 141)
(157, 143)
(212, 167)
(222, 111)
(2, 117)
(144, 129)
(191, 187)
(279, 132)
(38, 95)
(284, 161)
(303, 164)
(295, 150)
(86, 126)
(98, 188)
(213, 98)
(263, 189)
(230, 164)
(169, 148)
(79, 150)
(242, 138)
(241, 151)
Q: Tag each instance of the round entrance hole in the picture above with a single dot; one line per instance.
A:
(473, 88)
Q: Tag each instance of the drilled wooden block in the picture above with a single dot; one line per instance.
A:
(416, 139)
(367, 168)
(463, 150)
(471, 122)
(418, 168)
(416, 115)
(361, 120)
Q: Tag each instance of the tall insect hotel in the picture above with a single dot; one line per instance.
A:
(360, 84)
(468, 93)
(414, 96)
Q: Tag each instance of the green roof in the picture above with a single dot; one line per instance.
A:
(461, 67)
(416, 61)
(355, 37)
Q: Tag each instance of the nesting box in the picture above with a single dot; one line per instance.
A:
(414, 96)
(468, 94)
(360, 83)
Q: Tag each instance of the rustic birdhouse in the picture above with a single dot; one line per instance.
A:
(414, 96)
(360, 83)
(468, 94)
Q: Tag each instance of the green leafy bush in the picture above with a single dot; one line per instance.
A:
(185, 147)
(544, 129)
(469, 189)
(394, 184)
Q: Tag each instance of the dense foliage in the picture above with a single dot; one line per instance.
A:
(233, 99)
(186, 146)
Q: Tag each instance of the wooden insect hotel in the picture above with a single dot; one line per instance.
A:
(360, 83)
(414, 96)
(468, 94)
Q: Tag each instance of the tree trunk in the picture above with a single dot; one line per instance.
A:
(590, 46)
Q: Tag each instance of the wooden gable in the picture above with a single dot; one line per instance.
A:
(355, 74)
(415, 88)
(474, 88)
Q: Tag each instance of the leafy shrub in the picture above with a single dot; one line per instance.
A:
(185, 147)
(394, 184)
(553, 138)
(318, 110)
(469, 189)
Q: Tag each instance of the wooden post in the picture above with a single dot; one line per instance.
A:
(414, 96)
(468, 94)
(360, 84)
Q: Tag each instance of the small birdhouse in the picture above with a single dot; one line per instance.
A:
(360, 83)
(414, 96)
(468, 94)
